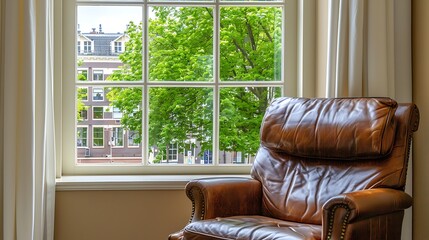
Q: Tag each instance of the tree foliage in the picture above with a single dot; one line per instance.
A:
(181, 49)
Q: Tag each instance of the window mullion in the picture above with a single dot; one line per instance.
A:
(216, 75)
(145, 90)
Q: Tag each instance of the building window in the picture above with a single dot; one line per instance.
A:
(82, 74)
(78, 47)
(118, 47)
(83, 114)
(97, 112)
(87, 47)
(82, 136)
(118, 136)
(172, 153)
(97, 94)
(133, 139)
(117, 114)
(82, 94)
(98, 136)
(209, 80)
(97, 75)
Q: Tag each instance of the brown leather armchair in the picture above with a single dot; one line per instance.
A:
(326, 169)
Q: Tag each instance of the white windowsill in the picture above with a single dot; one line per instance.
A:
(129, 182)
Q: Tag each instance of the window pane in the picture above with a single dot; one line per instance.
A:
(117, 113)
(82, 93)
(181, 44)
(97, 94)
(134, 138)
(183, 117)
(98, 136)
(82, 74)
(109, 38)
(117, 137)
(97, 113)
(120, 110)
(97, 75)
(82, 137)
(241, 113)
(250, 43)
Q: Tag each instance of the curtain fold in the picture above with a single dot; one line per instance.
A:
(369, 54)
(28, 140)
(363, 54)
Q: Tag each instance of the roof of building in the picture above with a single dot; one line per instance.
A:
(102, 42)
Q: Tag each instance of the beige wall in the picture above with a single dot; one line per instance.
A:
(421, 98)
(1, 116)
(124, 215)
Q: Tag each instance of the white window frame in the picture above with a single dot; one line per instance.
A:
(65, 31)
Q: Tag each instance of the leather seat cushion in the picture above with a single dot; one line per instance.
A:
(251, 228)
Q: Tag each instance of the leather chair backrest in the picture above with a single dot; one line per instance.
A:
(314, 149)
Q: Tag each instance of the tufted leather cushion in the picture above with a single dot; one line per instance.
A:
(307, 183)
(340, 128)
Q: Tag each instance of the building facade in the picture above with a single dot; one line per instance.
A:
(100, 137)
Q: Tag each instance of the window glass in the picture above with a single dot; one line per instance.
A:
(82, 74)
(118, 47)
(174, 118)
(97, 112)
(104, 32)
(118, 137)
(250, 48)
(98, 136)
(82, 136)
(97, 94)
(181, 44)
(133, 139)
(97, 75)
(117, 114)
(241, 113)
(87, 48)
(187, 84)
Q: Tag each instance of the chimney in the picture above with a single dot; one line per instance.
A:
(100, 29)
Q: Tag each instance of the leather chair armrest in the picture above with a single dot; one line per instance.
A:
(176, 236)
(355, 206)
(222, 197)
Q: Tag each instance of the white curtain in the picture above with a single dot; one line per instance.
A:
(369, 54)
(369, 48)
(28, 136)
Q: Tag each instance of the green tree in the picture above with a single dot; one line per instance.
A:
(82, 93)
(181, 49)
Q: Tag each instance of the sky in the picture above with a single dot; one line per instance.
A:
(113, 19)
